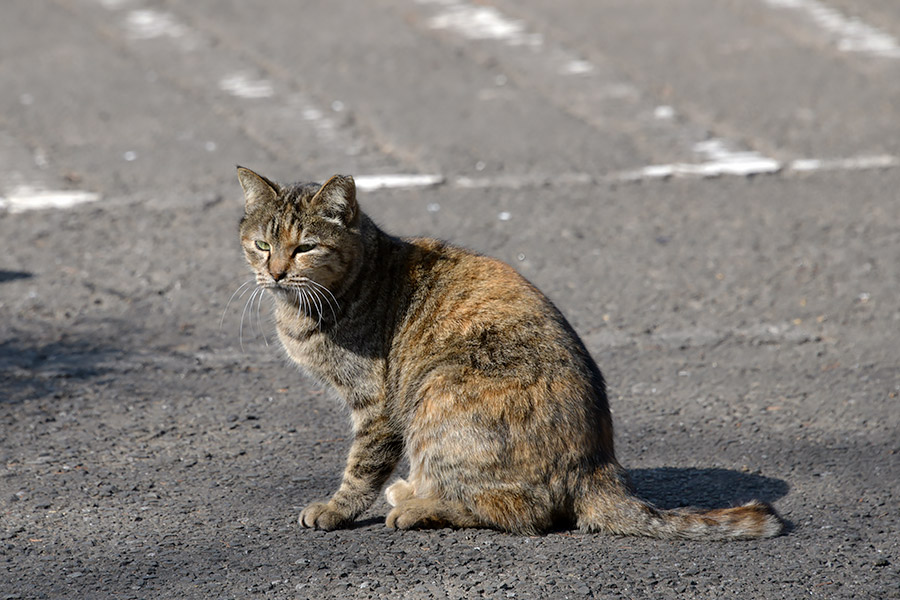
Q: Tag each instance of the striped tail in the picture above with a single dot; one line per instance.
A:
(609, 506)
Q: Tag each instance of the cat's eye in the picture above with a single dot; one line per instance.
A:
(264, 246)
(304, 248)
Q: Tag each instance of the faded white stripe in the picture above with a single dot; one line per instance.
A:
(243, 86)
(859, 163)
(740, 164)
(148, 24)
(483, 23)
(377, 182)
(24, 198)
(850, 33)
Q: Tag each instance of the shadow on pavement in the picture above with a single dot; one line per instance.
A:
(30, 370)
(13, 275)
(670, 487)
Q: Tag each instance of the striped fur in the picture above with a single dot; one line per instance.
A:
(456, 362)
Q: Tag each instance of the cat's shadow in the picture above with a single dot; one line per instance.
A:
(670, 487)
(14, 275)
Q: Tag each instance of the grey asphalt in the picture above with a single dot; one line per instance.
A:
(708, 190)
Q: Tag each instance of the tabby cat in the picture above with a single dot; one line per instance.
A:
(456, 362)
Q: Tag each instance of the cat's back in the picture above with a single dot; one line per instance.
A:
(466, 289)
(483, 351)
(468, 308)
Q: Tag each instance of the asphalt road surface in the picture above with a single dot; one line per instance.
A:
(707, 188)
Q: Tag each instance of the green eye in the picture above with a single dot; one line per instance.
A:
(304, 248)
(264, 246)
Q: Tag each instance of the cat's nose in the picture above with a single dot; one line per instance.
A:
(278, 268)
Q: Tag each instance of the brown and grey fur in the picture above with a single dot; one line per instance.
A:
(456, 362)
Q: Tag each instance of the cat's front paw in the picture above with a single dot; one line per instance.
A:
(321, 515)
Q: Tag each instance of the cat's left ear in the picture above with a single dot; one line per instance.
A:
(337, 200)
(256, 187)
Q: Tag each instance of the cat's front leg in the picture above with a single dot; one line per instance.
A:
(375, 452)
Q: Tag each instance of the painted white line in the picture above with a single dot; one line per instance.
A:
(291, 113)
(859, 163)
(740, 164)
(751, 163)
(116, 4)
(851, 34)
(721, 160)
(763, 166)
(664, 112)
(483, 23)
(594, 92)
(368, 183)
(149, 24)
(24, 198)
(516, 182)
(577, 67)
(242, 86)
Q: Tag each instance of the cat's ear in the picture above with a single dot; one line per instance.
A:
(256, 187)
(336, 199)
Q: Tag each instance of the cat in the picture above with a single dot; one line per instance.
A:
(457, 363)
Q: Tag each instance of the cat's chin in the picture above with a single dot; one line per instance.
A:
(283, 294)
(290, 297)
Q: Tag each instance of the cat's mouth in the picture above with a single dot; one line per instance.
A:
(307, 295)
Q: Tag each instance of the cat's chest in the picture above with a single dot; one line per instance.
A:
(334, 361)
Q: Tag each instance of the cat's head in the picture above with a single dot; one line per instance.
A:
(301, 235)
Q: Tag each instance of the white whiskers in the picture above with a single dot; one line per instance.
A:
(256, 292)
(312, 298)
(227, 304)
(321, 290)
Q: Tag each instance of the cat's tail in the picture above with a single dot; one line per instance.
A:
(607, 504)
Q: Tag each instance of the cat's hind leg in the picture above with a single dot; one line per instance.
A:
(431, 513)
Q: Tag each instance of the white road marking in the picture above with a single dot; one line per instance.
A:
(116, 4)
(483, 23)
(516, 182)
(243, 86)
(664, 112)
(858, 163)
(722, 163)
(311, 113)
(721, 160)
(291, 110)
(478, 22)
(147, 24)
(850, 33)
(752, 163)
(577, 67)
(377, 182)
(596, 93)
(24, 198)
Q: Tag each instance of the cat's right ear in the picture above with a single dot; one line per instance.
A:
(256, 188)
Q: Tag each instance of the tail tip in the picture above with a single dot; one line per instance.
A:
(765, 521)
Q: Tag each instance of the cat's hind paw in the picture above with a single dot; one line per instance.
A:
(408, 517)
(320, 515)
(426, 513)
(399, 491)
